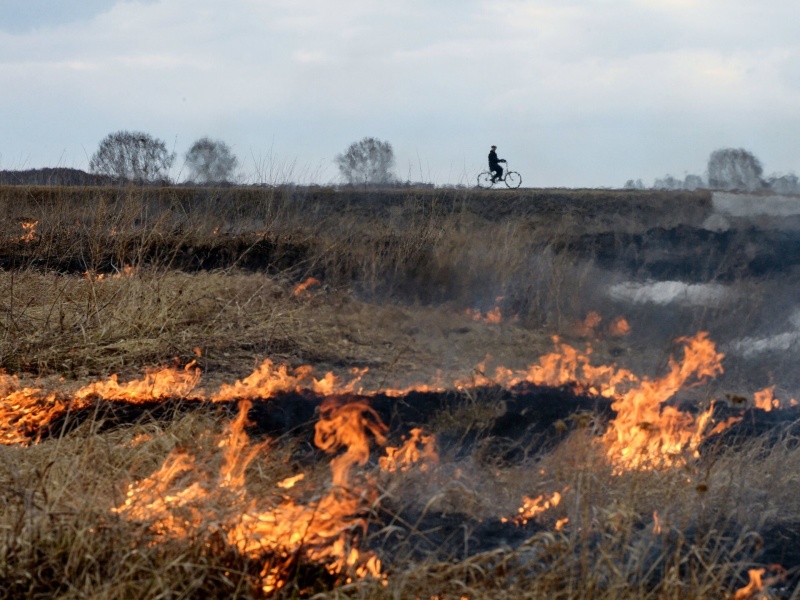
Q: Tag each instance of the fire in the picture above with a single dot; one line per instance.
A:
(619, 327)
(30, 235)
(268, 380)
(765, 399)
(302, 289)
(588, 326)
(325, 531)
(127, 272)
(25, 411)
(758, 584)
(418, 448)
(157, 384)
(494, 316)
(645, 433)
(754, 586)
(533, 507)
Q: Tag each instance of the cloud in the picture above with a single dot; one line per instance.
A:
(572, 75)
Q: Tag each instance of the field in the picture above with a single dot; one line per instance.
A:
(410, 393)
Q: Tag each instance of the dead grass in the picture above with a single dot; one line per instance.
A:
(57, 536)
(211, 276)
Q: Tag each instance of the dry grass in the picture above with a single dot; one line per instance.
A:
(210, 277)
(59, 538)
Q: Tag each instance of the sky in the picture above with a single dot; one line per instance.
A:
(575, 93)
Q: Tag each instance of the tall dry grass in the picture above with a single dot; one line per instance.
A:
(119, 279)
(58, 536)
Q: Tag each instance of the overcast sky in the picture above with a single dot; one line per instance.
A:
(575, 93)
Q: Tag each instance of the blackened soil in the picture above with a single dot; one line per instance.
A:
(692, 254)
(271, 255)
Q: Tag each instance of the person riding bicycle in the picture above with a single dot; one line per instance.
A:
(494, 167)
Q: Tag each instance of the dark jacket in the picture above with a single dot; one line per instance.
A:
(493, 160)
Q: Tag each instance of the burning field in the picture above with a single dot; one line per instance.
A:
(379, 405)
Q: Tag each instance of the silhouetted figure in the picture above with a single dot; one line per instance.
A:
(494, 166)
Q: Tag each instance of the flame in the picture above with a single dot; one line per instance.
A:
(30, 234)
(765, 399)
(325, 531)
(645, 433)
(533, 507)
(419, 447)
(157, 384)
(290, 482)
(268, 380)
(619, 327)
(25, 411)
(302, 288)
(754, 586)
(588, 326)
(656, 523)
(127, 272)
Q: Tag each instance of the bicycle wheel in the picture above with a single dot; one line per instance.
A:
(513, 179)
(485, 180)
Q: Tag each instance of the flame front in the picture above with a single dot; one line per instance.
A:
(157, 384)
(326, 531)
(646, 433)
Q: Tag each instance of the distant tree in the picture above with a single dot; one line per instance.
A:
(634, 185)
(367, 161)
(132, 156)
(784, 184)
(693, 182)
(668, 182)
(734, 169)
(210, 160)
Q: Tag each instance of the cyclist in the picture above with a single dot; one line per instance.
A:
(494, 167)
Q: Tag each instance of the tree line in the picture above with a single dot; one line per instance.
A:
(135, 156)
(728, 169)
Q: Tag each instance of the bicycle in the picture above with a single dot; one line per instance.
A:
(512, 179)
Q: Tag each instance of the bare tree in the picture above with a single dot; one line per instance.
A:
(734, 169)
(210, 160)
(784, 184)
(132, 156)
(367, 161)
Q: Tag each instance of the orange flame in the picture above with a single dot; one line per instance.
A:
(619, 327)
(25, 410)
(646, 433)
(157, 384)
(30, 234)
(419, 447)
(322, 531)
(589, 324)
(765, 399)
(268, 380)
(301, 289)
(754, 586)
(533, 507)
